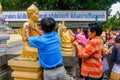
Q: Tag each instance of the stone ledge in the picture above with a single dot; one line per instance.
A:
(15, 43)
(3, 59)
(26, 75)
(20, 63)
(3, 68)
(4, 76)
(11, 56)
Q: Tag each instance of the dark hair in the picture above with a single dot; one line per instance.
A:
(95, 27)
(117, 39)
(85, 30)
(107, 36)
(79, 28)
(113, 29)
(48, 24)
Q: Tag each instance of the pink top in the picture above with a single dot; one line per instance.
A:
(81, 38)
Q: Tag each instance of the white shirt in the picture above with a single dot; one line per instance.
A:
(116, 68)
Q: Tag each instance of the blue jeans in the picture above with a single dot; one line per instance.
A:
(89, 78)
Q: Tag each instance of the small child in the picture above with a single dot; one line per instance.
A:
(83, 37)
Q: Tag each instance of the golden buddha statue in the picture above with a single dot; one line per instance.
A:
(33, 17)
(28, 62)
(66, 40)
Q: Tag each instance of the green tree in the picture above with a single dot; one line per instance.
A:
(9, 4)
(58, 4)
(16, 4)
(113, 21)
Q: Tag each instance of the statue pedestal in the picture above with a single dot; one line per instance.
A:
(26, 70)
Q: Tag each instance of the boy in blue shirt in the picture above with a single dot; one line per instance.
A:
(49, 50)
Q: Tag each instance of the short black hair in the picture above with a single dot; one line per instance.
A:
(95, 27)
(48, 24)
(114, 29)
(85, 30)
(79, 28)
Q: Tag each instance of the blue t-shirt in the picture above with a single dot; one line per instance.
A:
(49, 50)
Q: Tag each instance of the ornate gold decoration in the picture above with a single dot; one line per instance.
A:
(66, 40)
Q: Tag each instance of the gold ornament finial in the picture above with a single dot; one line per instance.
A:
(63, 24)
(32, 7)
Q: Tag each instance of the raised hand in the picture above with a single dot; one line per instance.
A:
(75, 42)
(28, 26)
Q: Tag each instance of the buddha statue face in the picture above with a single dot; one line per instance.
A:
(33, 13)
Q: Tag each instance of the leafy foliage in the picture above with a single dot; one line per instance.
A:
(9, 4)
(58, 4)
(113, 21)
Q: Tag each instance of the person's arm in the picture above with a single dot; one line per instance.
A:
(80, 42)
(34, 41)
(27, 32)
(104, 53)
(71, 32)
(77, 45)
(40, 32)
(87, 51)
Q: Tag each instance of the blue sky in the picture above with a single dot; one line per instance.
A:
(115, 7)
